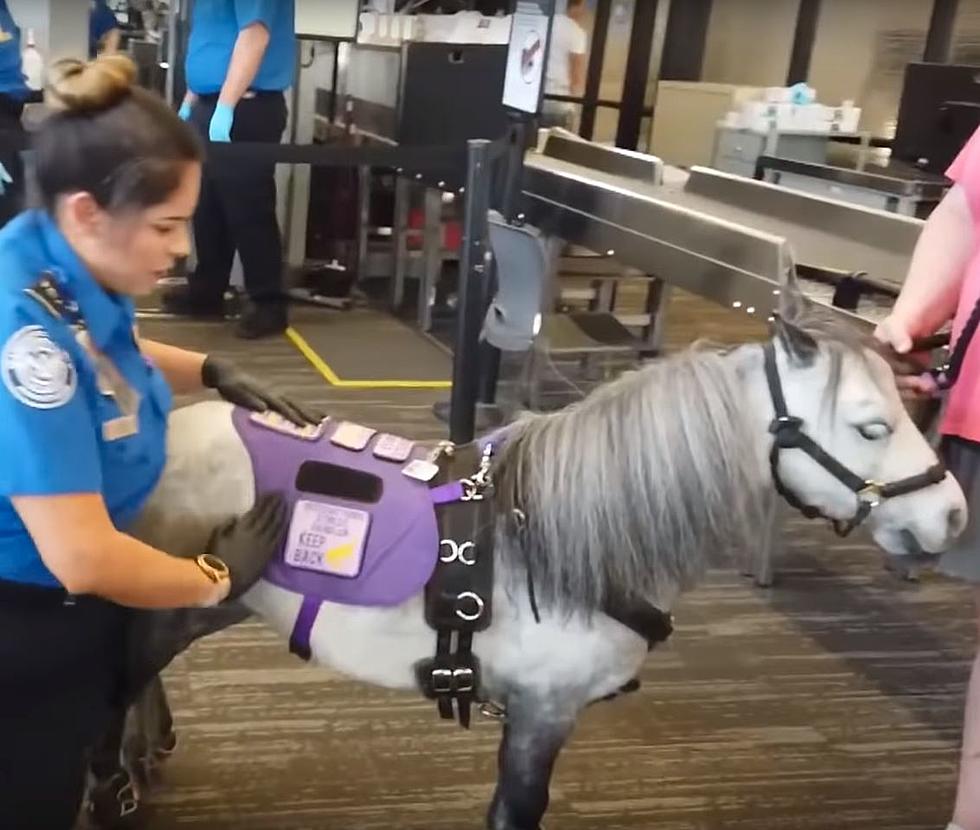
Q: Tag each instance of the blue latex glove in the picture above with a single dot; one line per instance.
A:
(221, 121)
(801, 94)
(5, 179)
(185, 111)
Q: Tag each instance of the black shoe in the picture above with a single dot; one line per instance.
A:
(184, 302)
(262, 320)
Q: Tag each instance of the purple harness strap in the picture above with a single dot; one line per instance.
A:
(299, 639)
(453, 491)
(447, 493)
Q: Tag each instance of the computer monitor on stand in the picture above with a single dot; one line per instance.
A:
(527, 58)
(939, 111)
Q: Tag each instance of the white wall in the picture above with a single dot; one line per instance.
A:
(749, 41)
(860, 53)
(60, 26)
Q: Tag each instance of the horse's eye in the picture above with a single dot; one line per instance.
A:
(874, 431)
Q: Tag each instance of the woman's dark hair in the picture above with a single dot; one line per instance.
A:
(108, 137)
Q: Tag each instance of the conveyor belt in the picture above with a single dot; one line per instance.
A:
(810, 245)
(727, 238)
(872, 308)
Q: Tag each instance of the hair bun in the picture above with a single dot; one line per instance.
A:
(79, 86)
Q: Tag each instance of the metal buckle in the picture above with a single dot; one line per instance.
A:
(870, 494)
(442, 681)
(472, 491)
(477, 601)
(440, 449)
(474, 487)
(787, 430)
(463, 680)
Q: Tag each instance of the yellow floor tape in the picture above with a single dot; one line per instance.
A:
(333, 379)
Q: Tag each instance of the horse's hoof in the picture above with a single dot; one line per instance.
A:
(114, 804)
(764, 580)
(906, 571)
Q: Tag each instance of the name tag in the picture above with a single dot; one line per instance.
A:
(420, 470)
(122, 427)
(352, 436)
(393, 448)
(277, 423)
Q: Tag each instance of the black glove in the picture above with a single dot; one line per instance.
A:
(241, 389)
(246, 544)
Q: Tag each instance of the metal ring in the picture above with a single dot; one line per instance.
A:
(480, 606)
(457, 552)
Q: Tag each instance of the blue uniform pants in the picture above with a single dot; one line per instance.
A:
(59, 685)
(237, 208)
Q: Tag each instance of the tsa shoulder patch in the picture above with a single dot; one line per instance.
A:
(37, 371)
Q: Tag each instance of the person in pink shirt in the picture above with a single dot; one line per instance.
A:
(943, 283)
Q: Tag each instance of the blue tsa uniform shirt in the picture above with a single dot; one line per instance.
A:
(215, 25)
(13, 84)
(101, 21)
(81, 410)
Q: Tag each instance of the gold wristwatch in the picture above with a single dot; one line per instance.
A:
(214, 569)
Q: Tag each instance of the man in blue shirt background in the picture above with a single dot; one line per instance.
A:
(103, 29)
(14, 93)
(241, 57)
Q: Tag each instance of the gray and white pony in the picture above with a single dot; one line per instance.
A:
(638, 489)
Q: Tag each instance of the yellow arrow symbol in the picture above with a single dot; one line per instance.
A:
(337, 555)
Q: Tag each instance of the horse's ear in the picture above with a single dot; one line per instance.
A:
(792, 302)
(800, 346)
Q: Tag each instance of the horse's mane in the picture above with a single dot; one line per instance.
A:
(648, 481)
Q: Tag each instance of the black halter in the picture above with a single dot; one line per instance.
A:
(788, 434)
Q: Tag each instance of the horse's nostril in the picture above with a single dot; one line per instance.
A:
(956, 521)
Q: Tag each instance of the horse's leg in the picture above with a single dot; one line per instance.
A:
(163, 738)
(149, 736)
(534, 733)
(112, 799)
(123, 762)
(770, 545)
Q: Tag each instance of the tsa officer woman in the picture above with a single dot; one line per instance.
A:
(83, 408)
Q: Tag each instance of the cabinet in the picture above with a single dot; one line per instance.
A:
(686, 115)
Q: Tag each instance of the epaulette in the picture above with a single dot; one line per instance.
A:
(46, 292)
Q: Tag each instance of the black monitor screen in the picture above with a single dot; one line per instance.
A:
(940, 110)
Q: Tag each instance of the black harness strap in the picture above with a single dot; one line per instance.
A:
(950, 373)
(459, 594)
(788, 434)
(642, 617)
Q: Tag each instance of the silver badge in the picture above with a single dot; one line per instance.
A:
(36, 370)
